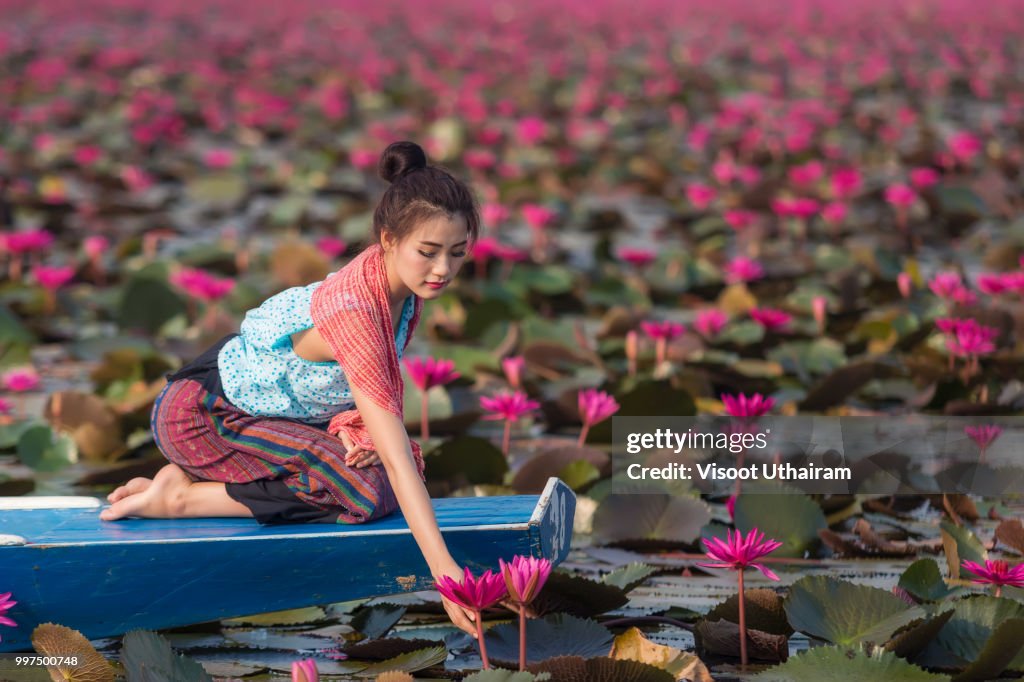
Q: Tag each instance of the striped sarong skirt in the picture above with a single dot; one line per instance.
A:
(212, 440)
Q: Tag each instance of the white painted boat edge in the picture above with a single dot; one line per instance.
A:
(50, 502)
(10, 540)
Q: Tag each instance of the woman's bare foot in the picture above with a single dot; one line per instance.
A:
(161, 499)
(136, 485)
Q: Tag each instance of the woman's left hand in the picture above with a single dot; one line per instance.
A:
(356, 456)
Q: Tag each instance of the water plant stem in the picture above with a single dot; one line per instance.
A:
(583, 435)
(522, 636)
(743, 621)
(424, 422)
(506, 439)
(478, 619)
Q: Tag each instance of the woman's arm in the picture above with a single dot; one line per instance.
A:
(392, 442)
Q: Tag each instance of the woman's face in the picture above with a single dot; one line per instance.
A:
(426, 261)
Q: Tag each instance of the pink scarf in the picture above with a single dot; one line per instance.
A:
(352, 312)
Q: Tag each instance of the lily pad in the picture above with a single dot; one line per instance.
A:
(838, 664)
(601, 670)
(923, 580)
(148, 302)
(147, 655)
(764, 611)
(722, 637)
(410, 662)
(501, 675)
(557, 634)
(578, 596)
(631, 645)
(650, 517)
(42, 450)
(793, 519)
(965, 637)
(629, 576)
(466, 460)
(960, 545)
(375, 621)
(916, 636)
(842, 612)
(534, 474)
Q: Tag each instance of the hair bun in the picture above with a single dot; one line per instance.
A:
(399, 159)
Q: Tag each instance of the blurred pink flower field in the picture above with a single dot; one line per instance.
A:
(689, 208)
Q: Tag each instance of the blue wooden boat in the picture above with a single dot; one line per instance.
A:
(64, 565)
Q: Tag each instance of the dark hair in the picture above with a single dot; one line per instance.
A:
(419, 192)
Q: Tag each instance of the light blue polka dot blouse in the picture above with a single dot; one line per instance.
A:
(263, 376)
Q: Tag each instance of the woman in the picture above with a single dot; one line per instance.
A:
(299, 417)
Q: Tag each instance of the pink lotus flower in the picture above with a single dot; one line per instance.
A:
(524, 578)
(709, 322)
(20, 379)
(52, 278)
(806, 174)
(846, 182)
(983, 436)
(537, 216)
(512, 366)
(201, 285)
(996, 573)
(771, 319)
(305, 671)
(819, 307)
(741, 405)
(363, 159)
(742, 269)
(475, 594)
(479, 159)
(428, 372)
(800, 207)
(946, 284)
(510, 407)
(95, 246)
(26, 241)
(923, 178)
(739, 219)
(425, 374)
(748, 175)
(834, 212)
(700, 195)
(218, 158)
(964, 146)
(136, 179)
(662, 330)
(5, 604)
(531, 130)
(86, 155)
(730, 506)
(494, 215)
(331, 246)
(594, 406)
(900, 195)
(905, 283)
(738, 553)
(5, 406)
(638, 258)
(662, 333)
(993, 284)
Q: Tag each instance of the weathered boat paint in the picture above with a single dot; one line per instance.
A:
(106, 578)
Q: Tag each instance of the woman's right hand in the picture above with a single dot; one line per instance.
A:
(461, 617)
